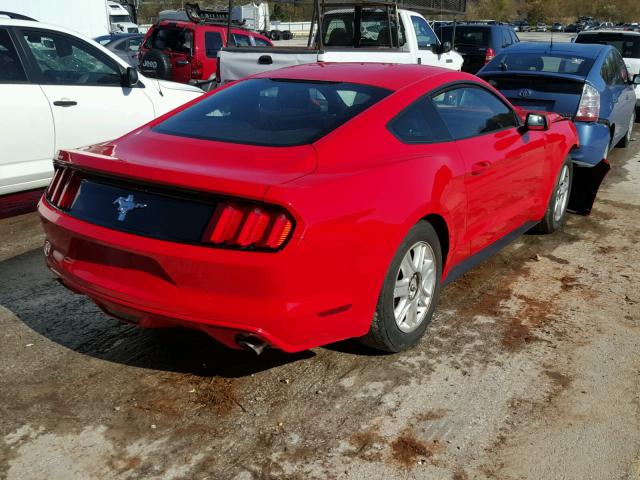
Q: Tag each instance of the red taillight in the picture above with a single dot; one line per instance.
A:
(489, 55)
(196, 69)
(589, 107)
(63, 188)
(248, 225)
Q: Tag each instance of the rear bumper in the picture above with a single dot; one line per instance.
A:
(294, 299)
(594, 143)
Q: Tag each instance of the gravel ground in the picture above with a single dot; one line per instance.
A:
(530, 370)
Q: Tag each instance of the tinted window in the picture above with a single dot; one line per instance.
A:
(178, 40)
(622, 76)
(426, 37)
(260, 42)
(273, 112)
(376, 29)
(540, 62)
(10, 68)
(419, 124)
(468, 36)
(212, 43)
(627, 45)
(241, 40)
(471, 111)
(65, 60)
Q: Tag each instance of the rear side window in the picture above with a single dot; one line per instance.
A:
(212, 43)
(10, 68)
(260, 42)
(473, 111)
(241, 40)
(419, 123)
(274, 112)
(178, 40)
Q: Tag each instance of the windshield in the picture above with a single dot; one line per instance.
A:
(270, 112)
(467, 36)
(627, 45)
(120, 19)
(540, 62)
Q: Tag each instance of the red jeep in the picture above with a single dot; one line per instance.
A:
(187, 51)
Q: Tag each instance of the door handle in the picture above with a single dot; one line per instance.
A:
(479, 167)
(182, 63)
(65, 103)
(265, 60)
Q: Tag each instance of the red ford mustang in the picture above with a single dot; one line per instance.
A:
(306, 205)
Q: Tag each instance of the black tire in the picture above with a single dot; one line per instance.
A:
(549, 222)
(626, 140)
(384, 333)
(156, 64)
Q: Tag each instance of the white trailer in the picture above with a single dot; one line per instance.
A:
(91, 18)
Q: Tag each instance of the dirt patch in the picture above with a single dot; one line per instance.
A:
(558, 378)
(407, 450)
(553, 258)
(516, 335)
(432, 415)
(217, 394)
(366, 444)
(569, 282)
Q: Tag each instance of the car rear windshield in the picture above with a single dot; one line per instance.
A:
(627, 45)
(467, 36)
(541, 62)
(179, 40)
(273, 112)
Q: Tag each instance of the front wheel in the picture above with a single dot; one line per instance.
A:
(410, 292)
(556, 212)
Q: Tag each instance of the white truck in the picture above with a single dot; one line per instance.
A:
(91, 18)
(359, 32)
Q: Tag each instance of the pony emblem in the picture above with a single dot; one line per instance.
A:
(125, 205)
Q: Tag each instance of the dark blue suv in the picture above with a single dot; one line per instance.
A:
(478, 43)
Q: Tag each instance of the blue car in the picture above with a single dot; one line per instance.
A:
(586, 83)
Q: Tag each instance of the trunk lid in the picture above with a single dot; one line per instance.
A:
(559, 93)
(197, 165)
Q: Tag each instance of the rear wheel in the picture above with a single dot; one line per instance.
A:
(556, 212)
(410, 292)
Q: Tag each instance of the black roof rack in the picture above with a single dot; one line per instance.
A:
(16, 16)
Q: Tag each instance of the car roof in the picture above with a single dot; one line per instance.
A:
(587, 50)
(616, 32)
(184, 23)
(384, 75)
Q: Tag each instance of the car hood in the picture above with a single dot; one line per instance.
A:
(195, 164)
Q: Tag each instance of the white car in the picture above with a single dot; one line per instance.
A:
(61, 90)
(627, 43)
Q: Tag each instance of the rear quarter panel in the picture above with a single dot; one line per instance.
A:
(368, 191)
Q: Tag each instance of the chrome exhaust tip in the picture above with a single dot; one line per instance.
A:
(249, 342)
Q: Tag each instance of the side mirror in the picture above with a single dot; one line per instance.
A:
(441, 48)
(636, 79)
(130, 77)
(536, 121)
